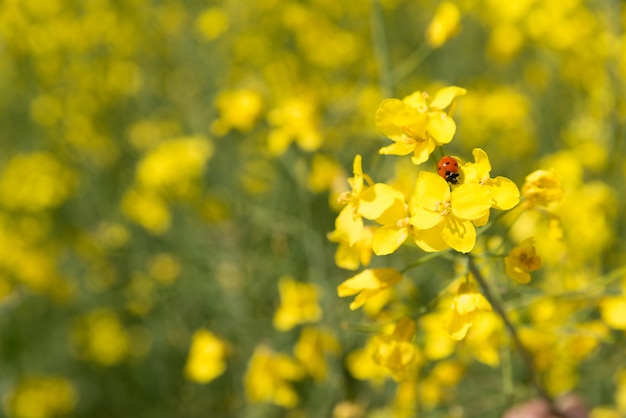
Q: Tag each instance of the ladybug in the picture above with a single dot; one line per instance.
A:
(448, 168)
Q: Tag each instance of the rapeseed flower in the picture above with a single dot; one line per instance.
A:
(443, 218)
(298, 304)
(417, 124)
(444, 25)
(41, 397)
(311, 350)
(503, 192)
(368, 284)
(542, 187)
(362, 201)
(396, 351)
(269, 375)
(522, 260)
(205, 361)
(466, 304)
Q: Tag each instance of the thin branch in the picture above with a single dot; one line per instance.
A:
(525, 355)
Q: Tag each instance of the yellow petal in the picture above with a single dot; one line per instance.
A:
(375, 200)
(441, 127)
(430, 240)
(504, 193)
(398, 148)
(445, 96)
(459, 234)
(385, 115)
(425, 219)
(357, 180)
(431, 190)
(470, 201)
(388, 239)
(422, 151)
(349, 225)
(613, 311)
(483, 166)
(460, 324)
(380, 278)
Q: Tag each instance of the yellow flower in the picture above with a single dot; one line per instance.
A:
(368, 284)
(542, 188)
(212, 22)
(444, 218)
(296, 120)
(101, 337)
(362, 202)
(350, 257)
(174, 166)
(396, 352)
(311, 349)
(147, 209)
(361, 365)
(417, 125)
(238, 109)
(522, 260)
(35, 182)
(445, 24)
(613, 311)
(41, 397)
(298, 304)
(395, 219)
(206, 357)
(466, 304)
(269, 375)
(504, 193)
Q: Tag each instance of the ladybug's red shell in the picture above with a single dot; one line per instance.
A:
(448, 168)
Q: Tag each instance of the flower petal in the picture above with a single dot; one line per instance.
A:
(504, 193)
(349, 225)
(445, 96)
(459, 234)
(375, 200)
(399, 147)
(388, 239)
(430, 240)
(470, 201)
(441, 127)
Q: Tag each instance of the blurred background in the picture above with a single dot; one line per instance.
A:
(169, 172)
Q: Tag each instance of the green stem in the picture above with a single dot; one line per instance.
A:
(379, 40)
(527, 359)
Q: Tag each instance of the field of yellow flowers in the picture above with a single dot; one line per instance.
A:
(311, 208)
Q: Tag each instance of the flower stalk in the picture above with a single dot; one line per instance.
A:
(525, 355)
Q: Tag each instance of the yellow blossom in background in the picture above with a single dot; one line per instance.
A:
(165, 268)
(351, 257)
(466, 304)
(311, 349)
(396, 351)
(238, 109)
(437, 342)
(174, 166)
(444, 218)
(444, 25)
(212, 22)
(147, 209)
(206, 359)
(522, 260)
(41, 397)
(613, 311)
(368, 284)
(295, 120)
(542, 188)
(101, 337)
(361, 365)
(35, 182)
(269, 377)
(298, 304)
